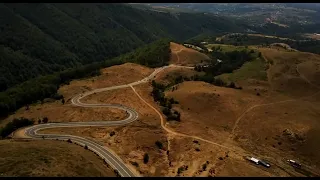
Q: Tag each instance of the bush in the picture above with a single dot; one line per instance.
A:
(204, 167)
(159, 144)
(14, 125)
(180, 170)
(117, 173)
(232, 85)
(112, 133)
(57, 96)
(146, 158)
(45, 120)
(69, 141)
(134, 163)
(85, 147)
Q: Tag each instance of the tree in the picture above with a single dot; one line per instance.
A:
(146, 158)
(159, 144)
(204, 167)
(62, 101)
(45, 120)
(85, 147)
(171, 100)
(166, 111)
(232, 85)
(69, 141)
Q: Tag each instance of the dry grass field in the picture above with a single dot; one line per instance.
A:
(22, 158)
(182, 55)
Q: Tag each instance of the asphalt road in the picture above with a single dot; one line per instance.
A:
(111, 158)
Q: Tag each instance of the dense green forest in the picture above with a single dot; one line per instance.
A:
(305, 45)
(297, 41)
(153, 55)
(42, 38)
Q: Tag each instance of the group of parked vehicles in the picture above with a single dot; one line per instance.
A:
(267, 165)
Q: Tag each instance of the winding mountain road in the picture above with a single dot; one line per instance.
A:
(111, 158)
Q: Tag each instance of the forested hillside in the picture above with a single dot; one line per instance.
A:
(155, 54)
(41, 38)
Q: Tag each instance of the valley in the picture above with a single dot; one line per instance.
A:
(159, 90)
(214, 120)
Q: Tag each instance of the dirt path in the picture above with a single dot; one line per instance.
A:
(171, 131)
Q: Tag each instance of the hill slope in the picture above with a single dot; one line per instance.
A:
(48, 158)
(60, 36)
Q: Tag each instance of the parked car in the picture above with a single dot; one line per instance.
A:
(294, 163)
(252, 159)
(264, 163)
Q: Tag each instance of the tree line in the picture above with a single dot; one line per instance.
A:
(55, 36)
(14, 125)
(152, 55)
(165, 103)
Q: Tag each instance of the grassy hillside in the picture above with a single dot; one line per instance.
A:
(48, 158)
(59, 36)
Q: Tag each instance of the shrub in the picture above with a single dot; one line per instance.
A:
(146, 158)
(232, 85)
(45, 120)
(69, 141)
(85, 147)
(134, 163)
(159, 144)
(204, 167)
(180, 170)
(57, 96)
(14, 125)
(112, 133)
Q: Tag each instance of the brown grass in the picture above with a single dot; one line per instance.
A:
(112, 76)
(185, 56)
(283, 74)
(56, 112)
(168, 75)
(209, 111)
(131, 141)
(49, 158)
